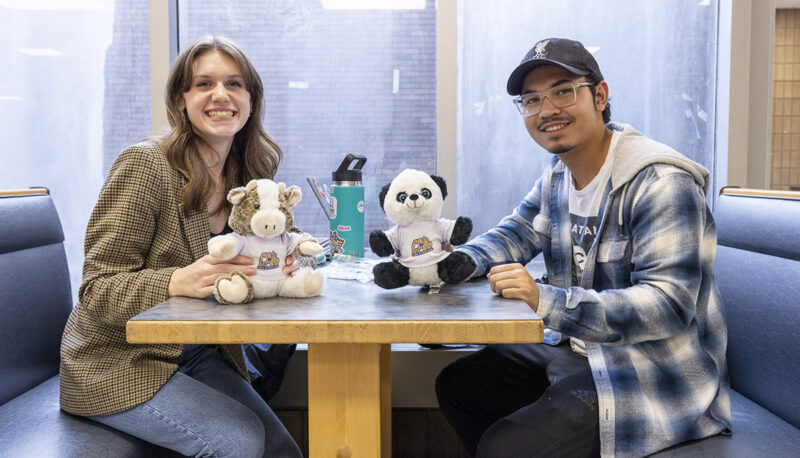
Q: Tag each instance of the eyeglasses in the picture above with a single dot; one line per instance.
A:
(561, 96)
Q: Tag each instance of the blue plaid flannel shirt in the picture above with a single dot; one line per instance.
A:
(648, 307)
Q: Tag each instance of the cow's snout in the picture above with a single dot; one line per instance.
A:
(268, 223)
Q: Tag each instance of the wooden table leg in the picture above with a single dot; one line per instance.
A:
(386, 400)
(349, 400)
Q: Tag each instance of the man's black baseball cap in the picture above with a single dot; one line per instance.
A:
(567, 54)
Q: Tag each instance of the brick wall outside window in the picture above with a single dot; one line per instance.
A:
(785, 163)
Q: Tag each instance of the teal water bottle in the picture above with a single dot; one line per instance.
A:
(347, 208)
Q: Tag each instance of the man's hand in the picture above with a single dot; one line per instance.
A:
(514, 282)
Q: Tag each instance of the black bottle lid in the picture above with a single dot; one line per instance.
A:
(345, 174)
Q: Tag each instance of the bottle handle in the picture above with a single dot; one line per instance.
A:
(345, 165)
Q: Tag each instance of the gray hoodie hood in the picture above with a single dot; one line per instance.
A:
(634, 152)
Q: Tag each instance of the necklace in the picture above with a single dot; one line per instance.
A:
(219, 186)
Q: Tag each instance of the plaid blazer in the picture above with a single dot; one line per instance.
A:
(136, 237)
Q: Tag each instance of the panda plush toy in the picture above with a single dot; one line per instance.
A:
(413, 202)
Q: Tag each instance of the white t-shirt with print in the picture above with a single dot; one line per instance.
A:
(269, 253)
(584, 206)
(420, 244)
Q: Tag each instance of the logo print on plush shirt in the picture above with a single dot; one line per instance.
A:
(268, 261)
(421, 246)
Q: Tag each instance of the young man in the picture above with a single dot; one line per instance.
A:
(636, 360)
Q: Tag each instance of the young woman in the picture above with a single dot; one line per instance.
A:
(146, 241)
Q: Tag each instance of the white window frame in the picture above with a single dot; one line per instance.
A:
(744, 93)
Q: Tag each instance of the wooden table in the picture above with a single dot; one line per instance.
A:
(349, 330)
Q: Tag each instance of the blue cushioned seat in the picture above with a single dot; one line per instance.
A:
(32, 424)
(35, 301)
(758, 275)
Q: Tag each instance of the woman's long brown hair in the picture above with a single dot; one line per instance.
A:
(253, 153)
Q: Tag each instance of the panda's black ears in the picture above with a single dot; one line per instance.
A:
(382, 195)
(436, 179)
(441, 183)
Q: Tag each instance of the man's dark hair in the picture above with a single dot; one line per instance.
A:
(607, 110)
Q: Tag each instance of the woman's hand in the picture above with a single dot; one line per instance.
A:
(289, 267)
(197, 279)
(514, 282)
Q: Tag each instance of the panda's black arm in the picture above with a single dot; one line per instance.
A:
(380, 244)
(461, 230)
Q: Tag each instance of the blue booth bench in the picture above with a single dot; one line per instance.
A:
(758, 274)
(757, 271)
(35, 301)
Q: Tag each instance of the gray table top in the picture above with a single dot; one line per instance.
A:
(351, 300)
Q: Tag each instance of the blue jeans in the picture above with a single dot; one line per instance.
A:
(206, 409)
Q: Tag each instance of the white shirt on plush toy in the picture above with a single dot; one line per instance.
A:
(269, 253)
(420, 244)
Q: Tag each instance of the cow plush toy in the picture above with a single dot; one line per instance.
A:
(413, 201)
(259, 221)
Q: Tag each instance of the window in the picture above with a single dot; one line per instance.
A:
(345, 76)
(659, 60)
(75, 90)
(338, 79)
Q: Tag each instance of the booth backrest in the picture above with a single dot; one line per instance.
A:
(758, 275)
(35, 293)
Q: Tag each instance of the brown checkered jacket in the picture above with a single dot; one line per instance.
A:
(136, 237)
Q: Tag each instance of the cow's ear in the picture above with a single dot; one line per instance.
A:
(252, 185)
(236, 195)
(291, 195)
